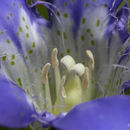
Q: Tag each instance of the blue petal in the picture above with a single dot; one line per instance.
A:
(16, 109)
(119, 22)
(20, 41)
(80, 29)
(110, 113)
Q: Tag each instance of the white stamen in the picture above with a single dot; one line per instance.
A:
(90, 55)
(55, 64)
(78, 69)
(54, 59)
(45, 70)
(68, 62)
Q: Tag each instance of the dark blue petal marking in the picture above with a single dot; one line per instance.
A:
(110, 113)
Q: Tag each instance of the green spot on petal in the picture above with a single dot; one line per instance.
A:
(82, 38)
(91, 35)
(86, 5)
(58, 33)
(92, 43)
(83, 20)
(27, 27)
(105, 5)
(27, 35)
(65, 15)
(61, 55)
(26, 57)
(20, 82)
(68, 51)
(88, 30)
(23, 19)
(33, 45)
(65, 35)
(11, 14)
(20, 29)
(13, 56)
(17, 33)
(98, 23)
(2, 33)
(58, 13)
(12, 63)
(8, 41)
(14, 4)
(30, 51)
(66, 3)
(4, 58)
(8, 17)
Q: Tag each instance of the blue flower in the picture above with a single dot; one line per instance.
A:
(88, 45)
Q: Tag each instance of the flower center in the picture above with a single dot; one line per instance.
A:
(72, 87)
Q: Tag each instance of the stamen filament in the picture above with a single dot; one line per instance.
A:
(55, 65)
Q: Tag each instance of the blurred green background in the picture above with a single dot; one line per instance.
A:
(44, 13)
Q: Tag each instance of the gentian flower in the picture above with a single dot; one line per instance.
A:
(86, 43)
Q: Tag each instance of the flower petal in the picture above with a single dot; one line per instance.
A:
(110, 113)
(20, 41)
(76, 30)
(16, 109)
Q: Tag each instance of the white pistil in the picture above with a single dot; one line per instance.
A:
(78, 69)
(91, 63)
(45, 81)
(67, 61)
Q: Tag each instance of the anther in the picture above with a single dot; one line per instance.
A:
(67, 62)
(54, 59)
(90, 55)
(45, 72)
(78, 69)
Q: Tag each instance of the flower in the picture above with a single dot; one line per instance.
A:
(90, 39)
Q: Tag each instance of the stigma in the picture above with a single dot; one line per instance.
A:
(72, 81)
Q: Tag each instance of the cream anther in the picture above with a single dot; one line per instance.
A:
(68, 62)
(54, 59)
(78, 69)
(45, 72)
(62, 89)
(90, 55)
(86, 78)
